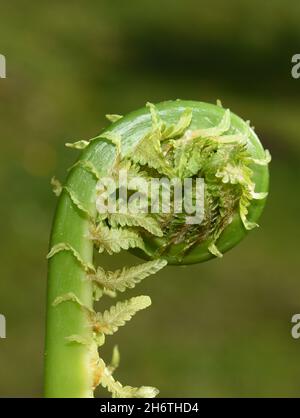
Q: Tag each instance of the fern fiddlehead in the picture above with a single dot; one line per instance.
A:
(174, 140)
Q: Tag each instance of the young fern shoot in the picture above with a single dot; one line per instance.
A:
(158, 145)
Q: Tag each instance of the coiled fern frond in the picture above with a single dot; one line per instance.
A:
(155, 146)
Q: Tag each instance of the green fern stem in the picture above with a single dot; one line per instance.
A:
(72, 365)
(69, 370)
(68, 366)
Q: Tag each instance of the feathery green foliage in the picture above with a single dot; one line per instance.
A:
(136, 219)
(127, 277)
(119, 314)
(119, 391)
(113, 240)
(217, 153)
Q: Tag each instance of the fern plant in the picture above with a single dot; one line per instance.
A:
(176, 139)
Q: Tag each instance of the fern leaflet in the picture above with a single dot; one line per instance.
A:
(127, 277)
(110, 321)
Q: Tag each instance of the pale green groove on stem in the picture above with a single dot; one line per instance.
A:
(71, 352)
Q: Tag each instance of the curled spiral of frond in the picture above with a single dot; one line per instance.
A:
(168, 143)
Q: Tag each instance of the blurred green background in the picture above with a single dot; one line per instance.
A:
(217, 329)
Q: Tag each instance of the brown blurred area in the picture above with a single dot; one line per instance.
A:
(220, 328)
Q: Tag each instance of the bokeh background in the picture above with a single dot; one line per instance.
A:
(221, 328)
